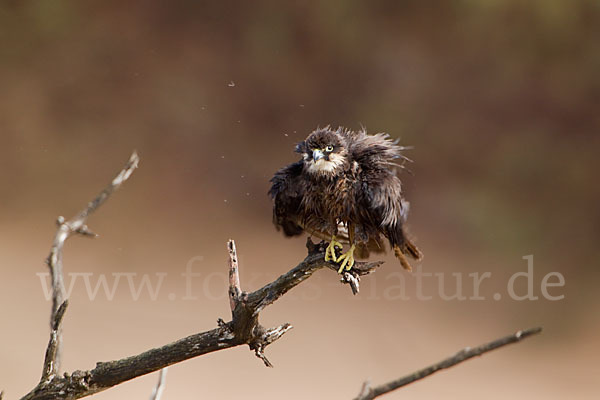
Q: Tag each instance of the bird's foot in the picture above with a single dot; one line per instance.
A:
(347, 260)
(330, 250)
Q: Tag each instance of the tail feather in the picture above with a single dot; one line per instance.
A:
(407, 248)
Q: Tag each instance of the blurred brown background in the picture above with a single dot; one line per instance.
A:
(499, 98)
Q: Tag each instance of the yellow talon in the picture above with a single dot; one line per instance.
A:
(330, 250)
(348, 260)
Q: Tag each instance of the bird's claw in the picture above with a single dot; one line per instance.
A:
(330, 250)
(347, 260)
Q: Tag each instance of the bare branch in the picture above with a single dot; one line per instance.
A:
(54, 260)
(368, 393)
(242, 329)
(160, 385)
(271, 292)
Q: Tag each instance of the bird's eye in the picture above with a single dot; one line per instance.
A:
(329, 148)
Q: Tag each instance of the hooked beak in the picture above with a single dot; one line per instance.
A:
(317, 155)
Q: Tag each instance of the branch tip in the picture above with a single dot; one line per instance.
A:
(85, 231)
(260, 353)
(126, 172)
(353, 281)
(365, 389)
(235, 289)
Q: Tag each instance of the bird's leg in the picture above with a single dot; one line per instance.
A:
(347, 259)
(330, 250)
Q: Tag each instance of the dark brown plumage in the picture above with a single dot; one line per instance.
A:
(345, 186)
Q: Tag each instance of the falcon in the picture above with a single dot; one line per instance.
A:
(345, 189)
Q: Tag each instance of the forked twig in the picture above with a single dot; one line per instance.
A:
(77, 224)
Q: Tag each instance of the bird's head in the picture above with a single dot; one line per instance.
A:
(324, 152)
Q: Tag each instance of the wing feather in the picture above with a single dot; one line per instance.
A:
(383, 208)
(287, 191)
(376, 151)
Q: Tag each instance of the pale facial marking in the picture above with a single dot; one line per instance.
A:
(326, 167)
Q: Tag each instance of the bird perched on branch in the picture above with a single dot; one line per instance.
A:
(345, 190)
